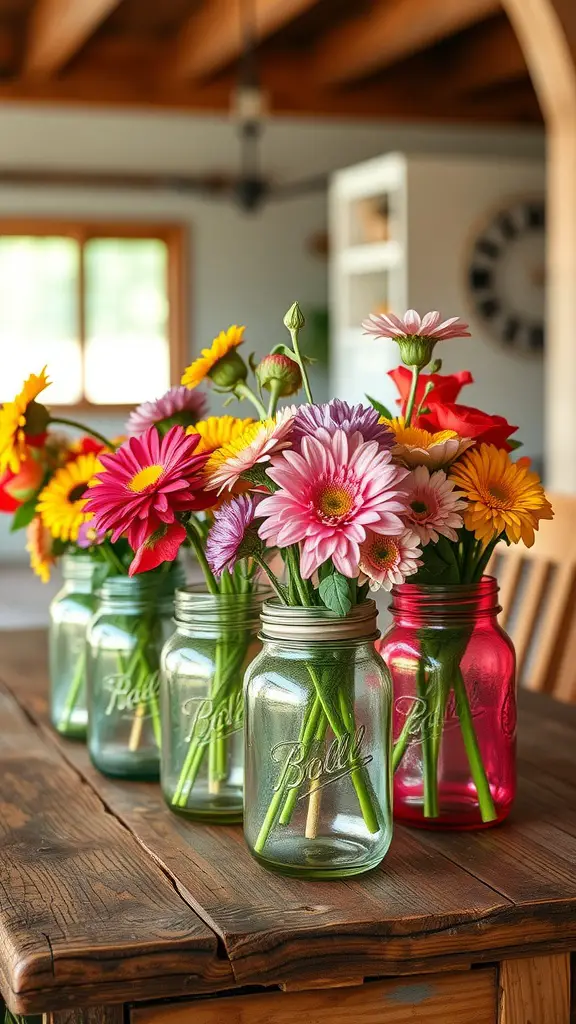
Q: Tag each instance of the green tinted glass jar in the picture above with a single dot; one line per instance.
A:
(202, 670)
(318, 709)
(125, 638)
(70, 613)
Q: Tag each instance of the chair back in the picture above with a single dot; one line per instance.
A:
(538, 598)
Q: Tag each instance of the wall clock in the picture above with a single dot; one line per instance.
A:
(506, 275)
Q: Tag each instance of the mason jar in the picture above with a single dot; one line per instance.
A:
(70, 613)
(453, 671)
(125, 638)
(318, 709)
(202, 670)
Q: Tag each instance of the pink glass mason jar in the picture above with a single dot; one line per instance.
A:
(453, 676)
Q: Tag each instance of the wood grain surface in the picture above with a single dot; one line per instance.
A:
(85, 915)
(424, 998)
(535, 990)
(438, 900)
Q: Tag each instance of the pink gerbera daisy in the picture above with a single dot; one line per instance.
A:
(146, 482)
(387, 561)
(434, 506)
(329, 495)
(411, 325)
(178, 405)
(254, 447)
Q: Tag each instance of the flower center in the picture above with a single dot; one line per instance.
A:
(335, 501)
(77, 492)
(499, 494)
(145, 478)
(384, 553)
(420, 508)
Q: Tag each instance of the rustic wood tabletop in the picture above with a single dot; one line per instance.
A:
(108, 901)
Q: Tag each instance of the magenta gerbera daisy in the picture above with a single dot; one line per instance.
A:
(338, 415)
(387, 561)
(146, 482)
(234, 533)
(329, 495)
(434, 505)
(177, 406)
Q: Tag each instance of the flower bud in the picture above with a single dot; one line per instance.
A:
(436, 366)
(294, 319)
(279, 373)
(37, 419)
(229, 371)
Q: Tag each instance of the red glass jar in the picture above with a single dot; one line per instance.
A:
(453, 674)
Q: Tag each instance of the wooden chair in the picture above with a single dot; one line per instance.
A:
(538, 598)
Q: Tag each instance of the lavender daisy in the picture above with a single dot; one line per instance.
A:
(339, 415)
(177, 406)
(234, 534)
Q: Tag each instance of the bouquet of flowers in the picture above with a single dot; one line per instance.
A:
(464, 495)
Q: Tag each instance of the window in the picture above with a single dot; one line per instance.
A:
(101, 304)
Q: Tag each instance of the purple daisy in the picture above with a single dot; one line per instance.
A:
(177, 406)
(233, 534)
(338, 415)
(89, 535)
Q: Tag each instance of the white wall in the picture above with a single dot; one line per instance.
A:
(448, 203)
(245, 269)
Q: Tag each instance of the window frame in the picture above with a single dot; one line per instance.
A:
(175, 237)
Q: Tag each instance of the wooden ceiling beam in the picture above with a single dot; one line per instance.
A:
(391, 31)
(58, 29)
(212, 36)
(492, 56)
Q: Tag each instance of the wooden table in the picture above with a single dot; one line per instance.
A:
(112, 909)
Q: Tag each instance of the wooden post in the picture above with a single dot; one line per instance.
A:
(535, 990)
(546, 30)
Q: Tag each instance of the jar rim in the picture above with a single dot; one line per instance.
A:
(457, 601)
(194, 604)
(318, 624)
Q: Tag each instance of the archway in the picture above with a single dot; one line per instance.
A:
(546, 30)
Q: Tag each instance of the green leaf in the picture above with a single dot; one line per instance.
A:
(514, 444)
(253, 362)
(325, 569)
(24, 515)
(284, 350)
(59, 547)
(335, 593)
(380, 408)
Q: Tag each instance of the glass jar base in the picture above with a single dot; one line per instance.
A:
(459, 811)
(127, 768)
(321, 859)
(71, 732)
(212, 816)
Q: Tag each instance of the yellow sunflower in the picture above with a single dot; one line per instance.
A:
(417, 447)
(18, 420)
(217, 431)
(209, 358)
(504, 496)
(39, 546)
(61, 503)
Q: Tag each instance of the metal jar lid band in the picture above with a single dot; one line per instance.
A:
(280, 622)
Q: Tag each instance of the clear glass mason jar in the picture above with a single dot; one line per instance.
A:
(70, 613)
(202, 706)
(453, 672)
(318, 711)
(125, 638)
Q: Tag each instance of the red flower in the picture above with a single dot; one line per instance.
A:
(16, 488)
(161, 546)
(469, 422)
(446, 386)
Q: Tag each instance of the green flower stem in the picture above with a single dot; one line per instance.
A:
(315, 712)
(294, 332)
(85, 430)
(241, 390)
(196, 543)
(278, 587)
(227, 676)
(73, 692)
(412, 395)
(477, 770)
(275, 395)
(429, 772)
(276, 802)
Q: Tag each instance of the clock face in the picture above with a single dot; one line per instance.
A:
(506, 276)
